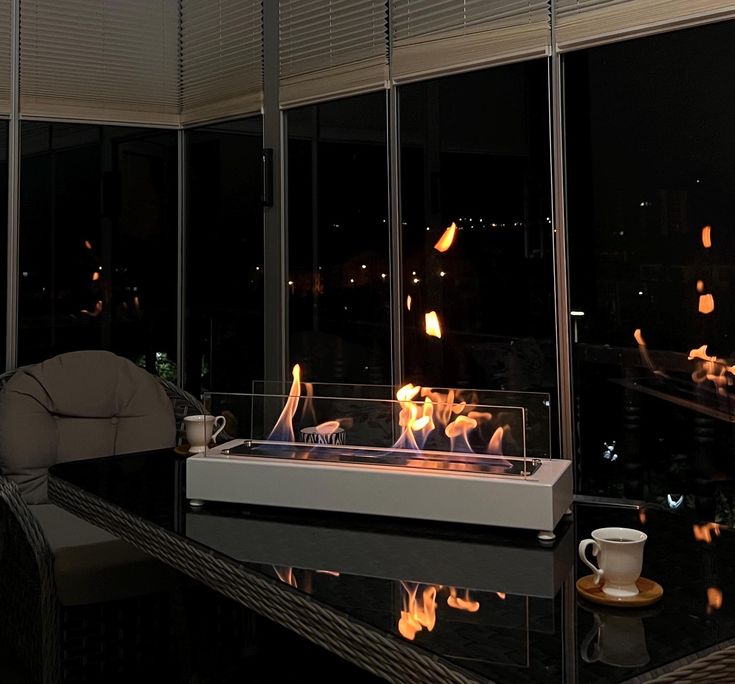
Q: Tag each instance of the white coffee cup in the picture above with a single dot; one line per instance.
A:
(619, 552)
(200, 431)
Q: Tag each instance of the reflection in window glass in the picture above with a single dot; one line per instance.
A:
(650, 165)
(338, 240)
(475, 153)
(3, 232)
(98, 242)
(224, 257)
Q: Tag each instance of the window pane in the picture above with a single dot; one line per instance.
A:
(475, 152)
(650, 164)
(338, 240)
(224, 257)
(98, 242)
(3, 230)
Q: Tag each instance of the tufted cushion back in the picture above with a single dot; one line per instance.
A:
(76, 406)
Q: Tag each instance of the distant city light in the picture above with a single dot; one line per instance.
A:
(364, 266)
(352, 280)
(442, 274)
(574, 312)
(415, 280)
(382, 275)
(290, 282)
(257, 268)
(640, 292)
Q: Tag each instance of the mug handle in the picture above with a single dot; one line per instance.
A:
(222, 420)
(583, 556)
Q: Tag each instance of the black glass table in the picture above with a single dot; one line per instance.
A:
(422, 602)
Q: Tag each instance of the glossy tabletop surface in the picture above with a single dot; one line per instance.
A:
(491, 603)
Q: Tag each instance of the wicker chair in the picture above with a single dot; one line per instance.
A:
(47, 633)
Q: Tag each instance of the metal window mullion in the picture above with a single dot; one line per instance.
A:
(275, 302)
(396, 247)
(181, 196)
(561, 265)
(11, 312)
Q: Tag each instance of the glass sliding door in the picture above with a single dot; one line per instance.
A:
(478, 302)
(98, 242)
(338, 240)
(3, 230)
(652, 248)
(224, 257)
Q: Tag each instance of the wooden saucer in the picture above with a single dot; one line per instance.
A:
(648, 593)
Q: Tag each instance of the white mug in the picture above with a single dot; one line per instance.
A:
(200, 431)
(619, 552)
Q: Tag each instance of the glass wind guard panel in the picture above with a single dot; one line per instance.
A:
(537, 405)
(424, 433)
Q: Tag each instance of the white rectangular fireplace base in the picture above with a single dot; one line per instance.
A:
(536, 503)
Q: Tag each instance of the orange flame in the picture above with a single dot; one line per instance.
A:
(707, 237)
(283, 429)
(408, 302)
(711, 368)
(88, 244)
(704, 532)
(638, 335)
(95, 275)
(480, 416)
(442, 403)
(458, 432)
(286, 576)
(408, 415)
(97, 309)
(446, 240)
(706, 304)
(700, 286)
(642, 516)
(466, 603)
(500, 595)
(327, 428)
(424, 425)
(714, 599)
(495, 446)
(308, 410)
(432, 325)
(418, 613)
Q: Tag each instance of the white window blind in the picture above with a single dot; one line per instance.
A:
(432, 36)
(582, 23)
(331, 47)
(103, 60)
(222, 58)
(5, 57)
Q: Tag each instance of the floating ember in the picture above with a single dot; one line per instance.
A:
(447, 238)
(707, 237)
(433, 328)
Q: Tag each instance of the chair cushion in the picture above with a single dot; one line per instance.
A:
(92, 566)
(76, 406)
